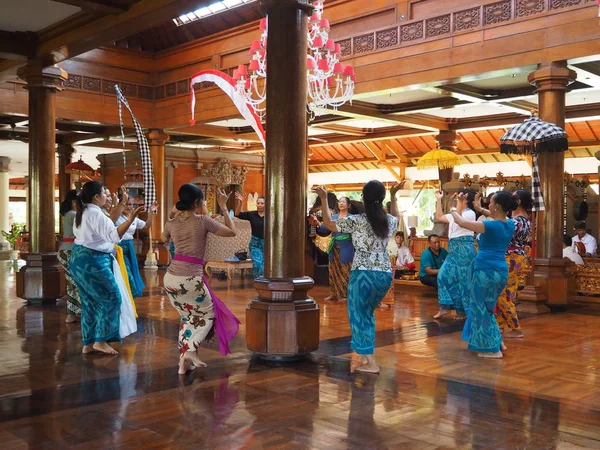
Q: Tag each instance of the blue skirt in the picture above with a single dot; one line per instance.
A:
(99, 293)
(454, 278)
(366, 289)
(257, 254)
(133, 271)
(481, 328)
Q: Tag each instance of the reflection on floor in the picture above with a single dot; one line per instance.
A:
(431, 393)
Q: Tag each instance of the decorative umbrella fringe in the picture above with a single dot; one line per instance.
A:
(439, 164)
(531, 148)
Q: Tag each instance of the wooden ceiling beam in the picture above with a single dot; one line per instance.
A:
(420, 122)
(376, 136)
(95, 6)
(340, 129)
(17, 45)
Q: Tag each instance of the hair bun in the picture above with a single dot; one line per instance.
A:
(183, 206)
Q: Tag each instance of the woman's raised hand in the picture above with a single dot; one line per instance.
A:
(153, 208)
(222, 198)
(439, 195)
(136, 212)
(477, 202)
(239, 196)
(396, 187)
(124, 195)
(320, 191)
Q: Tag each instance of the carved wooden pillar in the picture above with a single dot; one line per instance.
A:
(4, 200)
(283, 321)
(157, 140)
(550, 276)
(42, 278)
(447, 141)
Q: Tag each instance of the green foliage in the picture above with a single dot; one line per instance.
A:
(15, 233)
(426, 207)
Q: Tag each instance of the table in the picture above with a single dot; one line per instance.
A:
(228, 266)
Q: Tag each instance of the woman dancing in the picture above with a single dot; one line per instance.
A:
(257, 223)
(184, 282)
(133, 270)
(341, 253)
(490, 274)
(371, 275)
(452, 291)
(68, 211)
(517, 258)
(92, 269)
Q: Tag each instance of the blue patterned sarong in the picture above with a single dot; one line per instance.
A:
(172, 249)
(133, 271)
(100, 296)
(366, 289)
(454, 287)
(257, 254)
(481, 329)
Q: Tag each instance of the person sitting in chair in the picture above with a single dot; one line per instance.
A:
(431, 261)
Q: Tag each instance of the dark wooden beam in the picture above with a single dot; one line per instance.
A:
(95, 6)
(17, 45)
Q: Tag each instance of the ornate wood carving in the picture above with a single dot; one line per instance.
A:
(524, 8)
(346, 46)
(411, 32)
(146, 92)
(557, 4)
(224, 173)
(73, 82)
(497, 12)
(159, 93)
(183, 86)
(364, 43)
(387, 38)
(438, 26)
(465, 20)
(92, 84)
(171, 89)
(130, 90)
(108, 87)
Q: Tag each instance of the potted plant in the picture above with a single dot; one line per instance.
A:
(12, 237)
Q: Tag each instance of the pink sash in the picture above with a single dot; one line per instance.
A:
(226, 324)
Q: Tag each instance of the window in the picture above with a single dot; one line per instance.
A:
(210, 10)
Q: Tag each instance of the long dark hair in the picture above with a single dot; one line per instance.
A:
(67, 203)
(88, 192)
(506, 201)
(470, 193)
(189, 194)
(332, 202)
(373, 195)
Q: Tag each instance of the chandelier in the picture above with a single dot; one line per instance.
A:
(330, 83)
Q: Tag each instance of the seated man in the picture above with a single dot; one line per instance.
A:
(431, 261)
(569, 252)
(586, 239)
(405, 263)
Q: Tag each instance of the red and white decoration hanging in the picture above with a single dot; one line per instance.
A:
(330, 83)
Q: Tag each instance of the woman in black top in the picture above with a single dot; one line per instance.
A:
(257, 223)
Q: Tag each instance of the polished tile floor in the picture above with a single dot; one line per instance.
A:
(431, 393)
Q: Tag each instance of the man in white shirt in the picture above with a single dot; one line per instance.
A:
(569, 252)
(405, 263)
(586, 239)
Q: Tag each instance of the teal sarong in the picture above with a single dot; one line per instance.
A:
(454, 278)
(133, 270)
(257, 255)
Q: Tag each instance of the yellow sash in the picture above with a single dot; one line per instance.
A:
(121, 262)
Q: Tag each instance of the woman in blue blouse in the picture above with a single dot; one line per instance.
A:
(490, 274)
(341, 253)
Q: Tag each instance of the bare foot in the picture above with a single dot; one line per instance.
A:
(184, 366)
(503, 347)
(330, 298)
(72, 318)
(88, 348)
(496, 355)
(105, 348)
(513, 334)
(195, 360)
(441, 313)
(342, 300)
(460, 316)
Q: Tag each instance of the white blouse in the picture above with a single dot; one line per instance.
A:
(454, 230)
(136, 225)
(96, 230)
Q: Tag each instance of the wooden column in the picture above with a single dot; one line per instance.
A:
(283, 321)
(550, 278)
(447, 141)
(157, 140)
(42, 278)
(65, 153)
(4, 201)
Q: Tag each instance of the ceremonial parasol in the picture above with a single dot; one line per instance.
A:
(438, 159)
(532, 137)
(79, 168)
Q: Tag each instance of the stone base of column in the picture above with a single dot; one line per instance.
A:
(42, 279)
(282, 323)
(151, 263)
(553, 286)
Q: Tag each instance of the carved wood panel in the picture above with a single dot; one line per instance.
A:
(364, 43)
(387, 38)
(524, 8)
(497, 12)
(438, 26)
(465, 20)
(411, 32)
(557, 4)
(346, 46)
